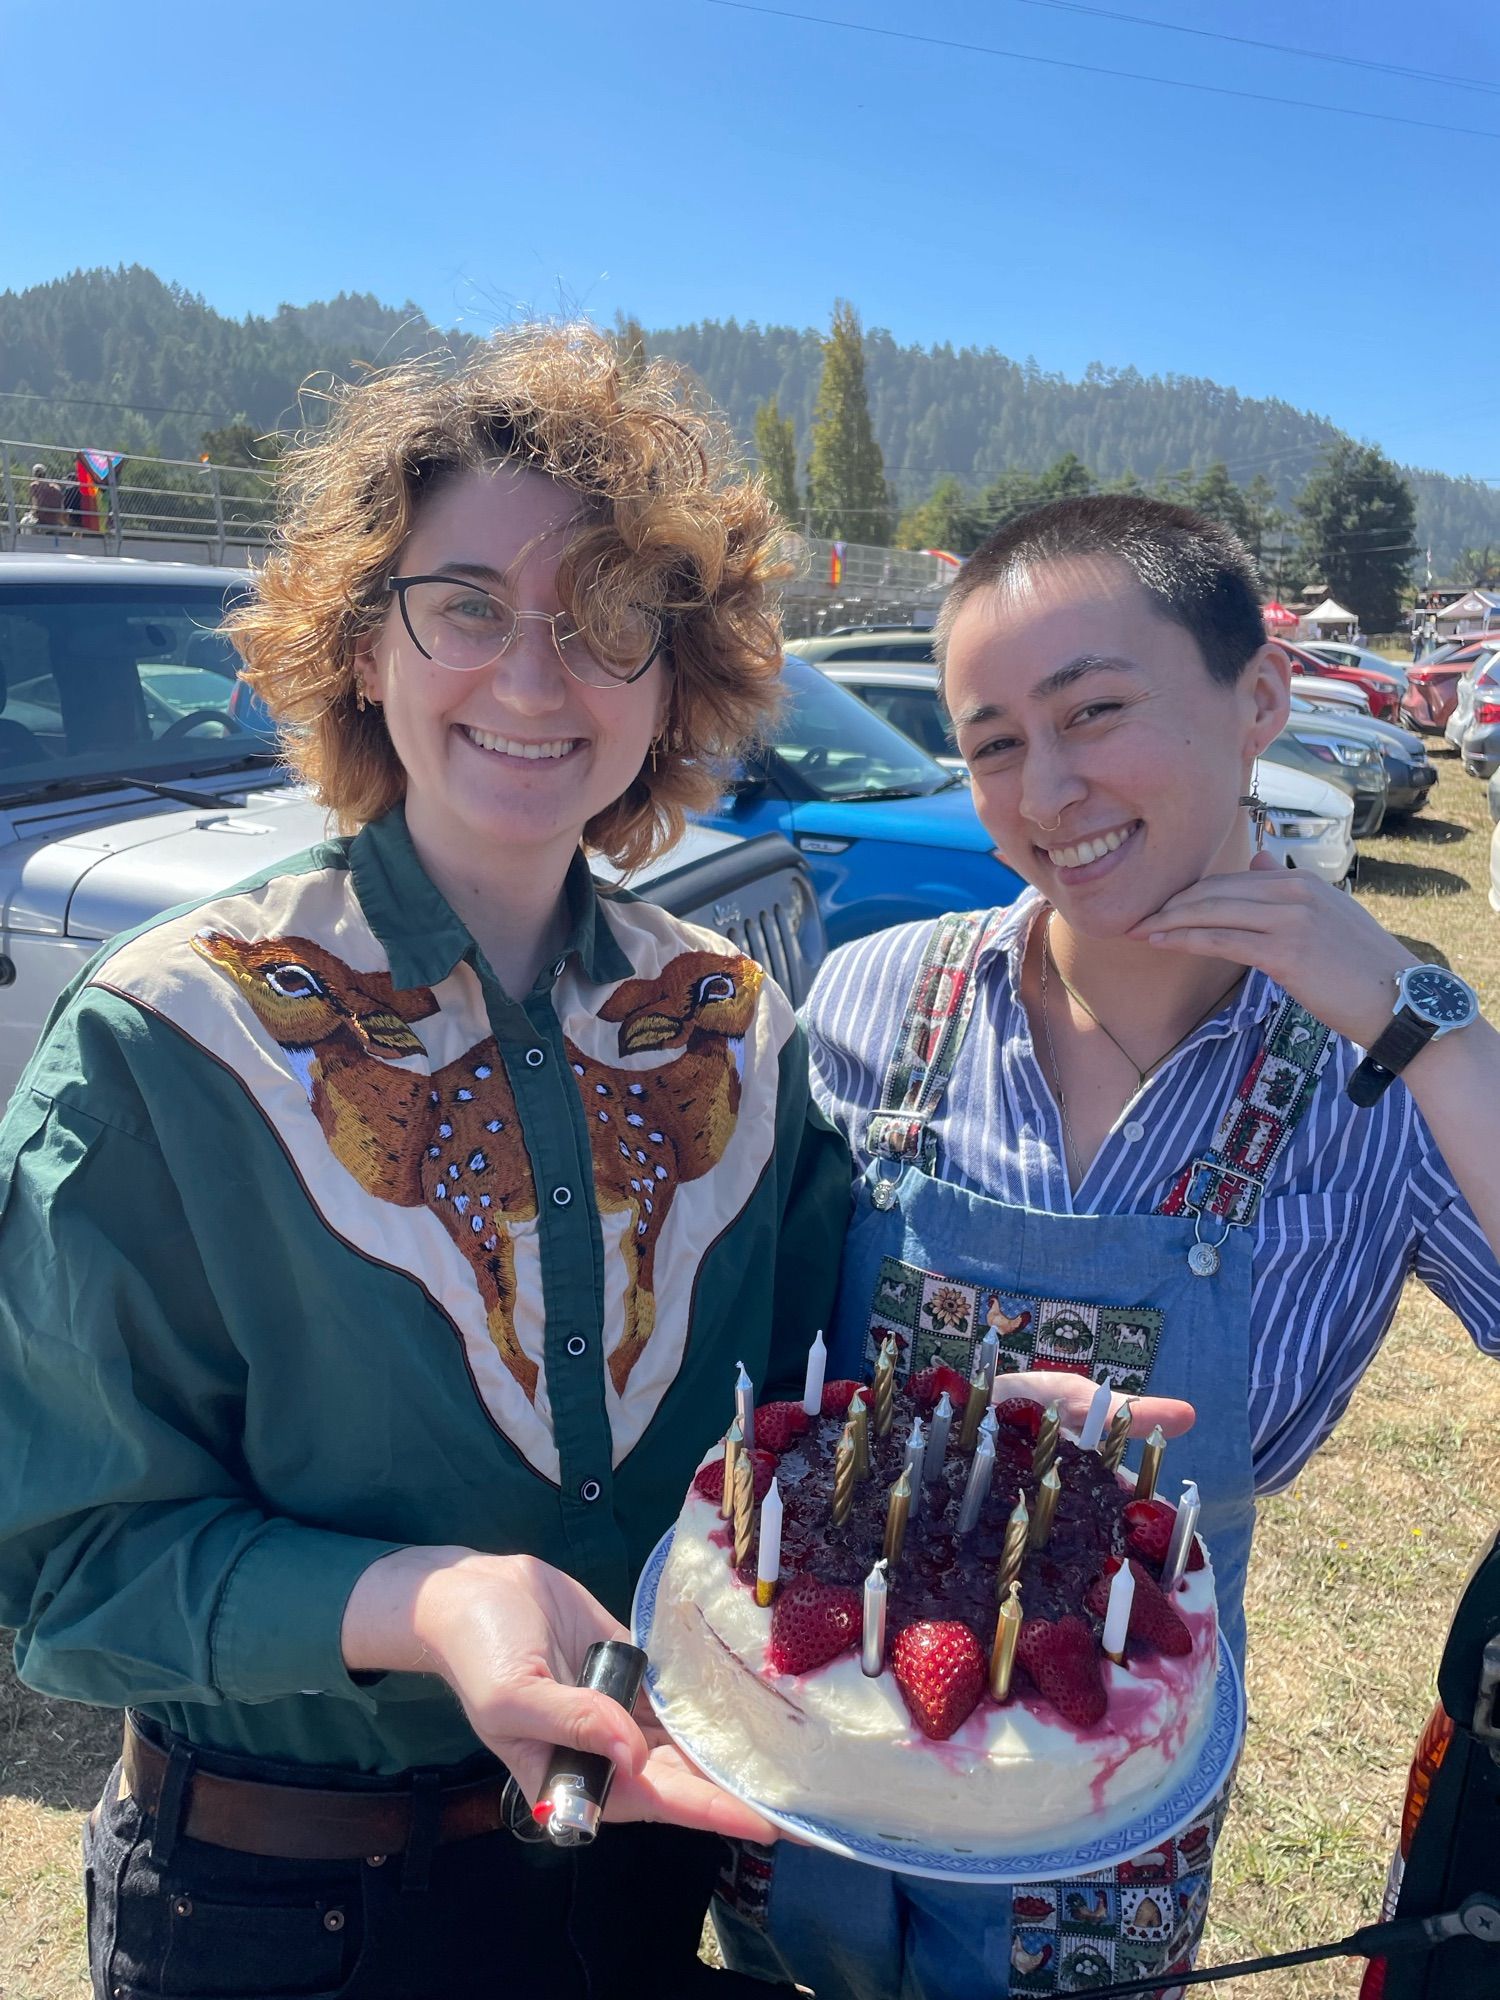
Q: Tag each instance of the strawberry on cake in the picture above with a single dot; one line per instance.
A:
(775, 1698)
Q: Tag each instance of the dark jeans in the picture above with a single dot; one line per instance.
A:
(619, 1920)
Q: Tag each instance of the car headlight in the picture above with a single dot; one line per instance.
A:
(1358, 755)
(1298, 826)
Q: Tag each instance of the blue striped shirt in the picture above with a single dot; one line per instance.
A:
(1356, 1201)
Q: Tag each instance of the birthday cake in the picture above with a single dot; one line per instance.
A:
(775, 1696)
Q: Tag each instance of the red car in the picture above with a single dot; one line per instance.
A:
(1381, 691)
(1433, 683)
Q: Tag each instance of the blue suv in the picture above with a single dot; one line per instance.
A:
(888, 834)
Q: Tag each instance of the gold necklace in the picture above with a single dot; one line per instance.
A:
(1142, 1076)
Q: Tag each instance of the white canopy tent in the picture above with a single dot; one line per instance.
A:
(1328, 614)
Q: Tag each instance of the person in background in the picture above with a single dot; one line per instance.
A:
(46, 497)
(1198, 1094)
(380, 1237)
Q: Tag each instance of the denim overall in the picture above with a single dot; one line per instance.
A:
(939, 1266)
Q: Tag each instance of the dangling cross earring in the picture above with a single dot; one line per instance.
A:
(654, 741)
(1255, 805)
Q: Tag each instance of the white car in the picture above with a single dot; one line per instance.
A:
(1310, 824)
(136, 774)
(1331, 694)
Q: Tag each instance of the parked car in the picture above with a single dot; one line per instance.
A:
(1342, 697)
(906, 696)
(889, 834)
(1449, 1844)
(1409, 773)
(1326, 748)
(868, 642)
(1380, 685)
(1432, 684)
(131, 781)
(1338, 653)
(1474, 726)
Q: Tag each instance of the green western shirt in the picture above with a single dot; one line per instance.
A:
(315, 1244)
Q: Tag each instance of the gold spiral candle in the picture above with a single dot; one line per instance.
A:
(1112, 1451)
(843, 1477)
(859, 1423)
(1003, 1652)
(974, 1409)
(1047, 1496)
(885, 1388)
(1151, 1457)
(744, 1507)
(734, 1445)
(898, 1510)
(1017, 1529)
(1044, 1451)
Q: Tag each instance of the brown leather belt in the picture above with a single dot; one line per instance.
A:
(299, 1823)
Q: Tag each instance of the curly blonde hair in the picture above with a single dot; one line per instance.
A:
(670, 521)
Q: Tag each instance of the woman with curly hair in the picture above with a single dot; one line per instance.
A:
(381, 1235)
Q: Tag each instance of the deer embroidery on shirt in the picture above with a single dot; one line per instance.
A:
(451, 1141)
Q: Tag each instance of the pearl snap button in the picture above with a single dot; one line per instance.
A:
(562, 1196)
(1135, 1130)
(577, 1345)
(535, 1058)
(590, 1490)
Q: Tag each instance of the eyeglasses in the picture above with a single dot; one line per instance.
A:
(461, 626)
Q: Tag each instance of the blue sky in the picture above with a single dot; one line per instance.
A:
(681, 159)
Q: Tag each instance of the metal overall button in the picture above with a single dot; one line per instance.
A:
(535, 1058)
(577, 1345)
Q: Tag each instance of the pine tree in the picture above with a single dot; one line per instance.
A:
(945, 520)
(630, 343)
(776, 447)
(847, 495)
(1358, 517)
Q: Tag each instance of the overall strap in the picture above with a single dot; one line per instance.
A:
(1228, 1179)
(926, 1046)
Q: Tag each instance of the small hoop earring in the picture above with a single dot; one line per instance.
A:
(1255, 805)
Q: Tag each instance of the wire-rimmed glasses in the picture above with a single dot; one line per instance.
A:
(458, 624)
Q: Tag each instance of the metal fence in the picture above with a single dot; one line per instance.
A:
(52, 495)
(222, 513)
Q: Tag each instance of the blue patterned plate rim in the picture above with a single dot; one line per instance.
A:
(1081, 1856)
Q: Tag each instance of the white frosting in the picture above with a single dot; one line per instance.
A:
(842, 1744)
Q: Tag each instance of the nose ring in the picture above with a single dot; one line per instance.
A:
(1045, 828)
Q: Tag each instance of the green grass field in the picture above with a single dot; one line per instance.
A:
(1355, 1574)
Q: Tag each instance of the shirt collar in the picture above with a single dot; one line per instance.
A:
(1251, 1005)
(422, 936)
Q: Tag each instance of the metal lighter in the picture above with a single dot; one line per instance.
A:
(570, 1803)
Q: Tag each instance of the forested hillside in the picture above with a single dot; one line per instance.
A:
(119, 359)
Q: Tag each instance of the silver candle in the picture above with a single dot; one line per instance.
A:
(744, 1406)
(1183, 1530)
(989, 1355)
(937, 1438)
(981, 1471)
(916, 1452)
(872, 1641)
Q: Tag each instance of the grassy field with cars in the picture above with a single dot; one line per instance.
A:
(1356, 1572)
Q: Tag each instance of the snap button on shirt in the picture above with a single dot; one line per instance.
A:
(561, 1197)
(577, 1345)
(535, 1058)
(590, 1490)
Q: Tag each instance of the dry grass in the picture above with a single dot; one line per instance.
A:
(1356, 1572)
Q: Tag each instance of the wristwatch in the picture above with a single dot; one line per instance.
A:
(1430, 1002)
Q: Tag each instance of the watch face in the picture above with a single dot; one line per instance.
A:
(1438, 997)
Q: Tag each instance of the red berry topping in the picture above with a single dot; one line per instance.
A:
(836, 1397)
(924, 1389)
(776, 1424)
(1148, 1529)
(709, 1479)
(940, 1669)
(812, 1623)
(1021, 1414)
(1063, 1660)
(1153, 1617)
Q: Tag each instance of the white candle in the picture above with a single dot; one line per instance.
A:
(981, 1471)
(1183, 1530)
(1097, 1418)
(768, 1553)
(989, 1354)
(916, 1451)
(989, 1427)
(872, 1641)
(937, 1438)
(817, 1368)
(1117, 1612)
(744, 1406)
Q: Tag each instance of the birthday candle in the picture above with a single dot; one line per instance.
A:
(1183, 1529)
(843, 1477)
(768, 1553)
(744, 1406)
(817, 1367)
(1117, 1612)
(1017, 1528)
(978, 1402)
(744, 1507)
(859, 1423)
(915, 1453)
(1044, 1451)
(1151, 1457)
(885, 1387)
(872, 1639)
(1003, 1652)
(937, 1438)
(1097, 1418)
(733, 1445)
(1047, 1496)
(981, 1470)
(898, 1507)
(989, 1354)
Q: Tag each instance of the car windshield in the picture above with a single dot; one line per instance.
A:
(119, 680)
(837, 749)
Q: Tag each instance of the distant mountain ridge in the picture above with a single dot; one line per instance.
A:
(119, 358)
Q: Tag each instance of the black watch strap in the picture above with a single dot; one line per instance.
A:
(1403, 1036)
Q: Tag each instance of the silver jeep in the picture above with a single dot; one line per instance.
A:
(137, 772)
